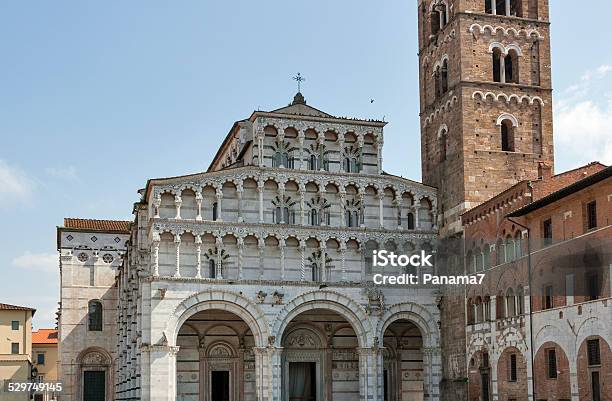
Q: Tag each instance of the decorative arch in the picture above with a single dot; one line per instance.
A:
(415, 313)
(507, 116)
(219, 299)
(330, 300)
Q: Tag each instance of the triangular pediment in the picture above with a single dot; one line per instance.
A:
(299, 107)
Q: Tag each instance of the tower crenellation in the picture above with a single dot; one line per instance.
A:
(486, 99)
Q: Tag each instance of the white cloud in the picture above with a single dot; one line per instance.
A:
(15, 185)
(583, 121)
(41, 262)
(67, 173)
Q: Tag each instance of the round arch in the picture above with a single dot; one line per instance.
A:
(341, 304)
(223, 300)
(414, 313)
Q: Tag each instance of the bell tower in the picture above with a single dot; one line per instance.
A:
(485, 99)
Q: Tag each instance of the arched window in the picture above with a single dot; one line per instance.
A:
(444, 77)
(442, 140)
(469, 261)
(347, 164)
(277, 215)
(312, 162)
(315, 272)
(510, 249)
(470, 311)
(487, 308)
(314, 217)
(215, 211)
(479, 260)
(510, 303)
(511, 66)
(486, 256)
(518, 246)
(479, 310)
(488, 5)
(435, 22)
(94, 316)
(520, 301)
(277, 159)
(507, 136)
(437, 82)
(410, 218)
(497, 65)
(499, 252)
(212, 269)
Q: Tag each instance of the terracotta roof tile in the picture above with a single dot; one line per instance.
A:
(118, 226)
(44, 336)
(15, 307)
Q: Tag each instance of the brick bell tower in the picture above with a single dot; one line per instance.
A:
(486, 99)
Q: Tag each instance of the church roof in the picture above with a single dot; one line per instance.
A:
(300, 108)
(115, 226)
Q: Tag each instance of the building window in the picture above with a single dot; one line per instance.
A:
(215, 211)
(547, 232)
(40, 358)
(212, 269)
(315, 272)
(512, 367)
(95, 316)
(14, 348)
(15, 325)
(507, 136)
(314, 218)
(444, 77)
(511, 65)
(592, 281)
(591, 214)
(497, 62)
(593, 352)
(547, 302)
(552, 363)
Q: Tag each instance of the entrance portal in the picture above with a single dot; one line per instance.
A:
(403, 362)
(219, 383)
(302, 381)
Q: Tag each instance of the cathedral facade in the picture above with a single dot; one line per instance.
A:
(252, 281)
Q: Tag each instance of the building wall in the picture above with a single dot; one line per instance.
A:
(15, 367)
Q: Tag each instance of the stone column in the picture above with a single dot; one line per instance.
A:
(398, 204)
(574, 393)
(417, 220)
(302, 260)
(381, 196)
(199, 205)
(321, 143)
(156, 205)
(323, 248)
(218, 267)
(493, 378)
(302, 204)
(261, 246)
(362, 207)
(177, 244)
(322, 215)
(493, 6)
(360, 142)
(502, 67)
(379, 146)
(432, 363)
(370, 374)
(260, 147)
(268, 373)
(508, 8)
(159, 372)
(240, 257)
(156, 241)
(198, 243)
(178, 201)
(302, 164)
(343, 258)
(341, 152)
(281, 245)
(281, 195)
(260, 189)
(343, 222)
(239, 192)
(219, 195)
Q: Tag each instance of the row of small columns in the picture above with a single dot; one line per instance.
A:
(281, 192)
(261, 247)
(320, 140)
(494, 7)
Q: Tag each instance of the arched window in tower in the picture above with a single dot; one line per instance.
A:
(497, 64)
(507, 136)
(488, 5)
(511, 67)
(443, 144)
(516, 8)
(444, 77)
(434, 17)
(500, 7)
(94, 316)
(437, 82)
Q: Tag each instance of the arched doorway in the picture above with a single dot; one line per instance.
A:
(215, 360)
(403, 368)
(95, 381)
(319, 358)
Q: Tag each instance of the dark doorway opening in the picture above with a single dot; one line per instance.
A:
(94, 385)
(302, 381)
(386, 385)
(484, 377)
(220, 389)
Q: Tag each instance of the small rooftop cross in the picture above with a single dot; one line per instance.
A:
(299, 79)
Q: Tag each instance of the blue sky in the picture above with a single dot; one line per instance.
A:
(96, 97)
